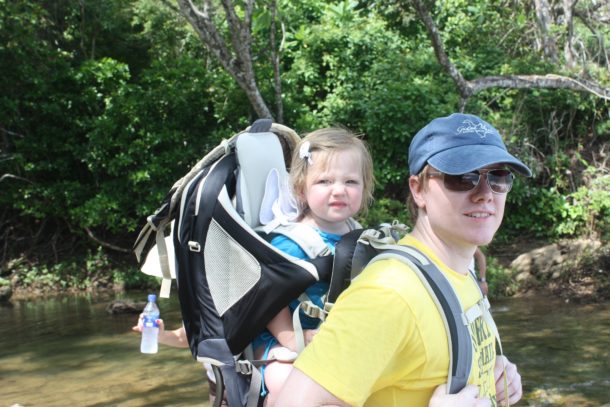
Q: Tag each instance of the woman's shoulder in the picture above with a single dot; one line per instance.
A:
(390, 275)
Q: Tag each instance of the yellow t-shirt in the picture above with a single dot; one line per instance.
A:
(384, 343)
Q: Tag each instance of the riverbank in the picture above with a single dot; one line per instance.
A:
(574, 270)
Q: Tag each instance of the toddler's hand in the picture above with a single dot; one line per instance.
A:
(309, 334)
(138, 327)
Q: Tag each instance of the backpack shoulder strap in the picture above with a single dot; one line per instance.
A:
(449, 307)
(308, 239)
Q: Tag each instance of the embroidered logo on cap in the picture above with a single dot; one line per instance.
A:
(478, 128)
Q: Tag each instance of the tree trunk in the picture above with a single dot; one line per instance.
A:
(275, 61)
(543, 18)
(568, 50)
(238, 61)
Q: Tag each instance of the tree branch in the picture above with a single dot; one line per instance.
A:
(586, 16)
(469, 88)
(538, 81)
(568, 52)
(106, 244)
(11, 133)
(5, 176)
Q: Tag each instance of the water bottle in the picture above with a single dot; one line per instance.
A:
(150, 328)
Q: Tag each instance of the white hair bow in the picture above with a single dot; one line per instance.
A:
(304, 152)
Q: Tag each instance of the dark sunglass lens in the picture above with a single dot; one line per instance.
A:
(500, 181)
(461, 183)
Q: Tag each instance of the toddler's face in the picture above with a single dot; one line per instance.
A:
(334, 189)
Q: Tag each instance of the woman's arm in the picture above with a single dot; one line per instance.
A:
(300, 390)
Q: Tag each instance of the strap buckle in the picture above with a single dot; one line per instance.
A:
(243, 367)
(194, 246)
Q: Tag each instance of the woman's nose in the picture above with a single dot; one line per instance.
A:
(482, 190)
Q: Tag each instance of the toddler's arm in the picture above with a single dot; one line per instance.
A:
(175, 338)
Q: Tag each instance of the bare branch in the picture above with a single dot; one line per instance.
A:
(568, 50)
(538, 81)
(468, 88)
(11, 133)
(586, 17)
(5, 176)
(240, 32)
(106, 244)
(201, 21)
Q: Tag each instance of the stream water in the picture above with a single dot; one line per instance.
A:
(68, 351)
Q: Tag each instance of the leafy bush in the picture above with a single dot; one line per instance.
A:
(499, 279)
(587, 210)
(385, 210)
(547, 213)
(533, 210)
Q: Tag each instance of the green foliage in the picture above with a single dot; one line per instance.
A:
(92, 270)
(345, 70)
(385, 210)
(500, 280)
(104, 106)
(532, 209)
(547, 213)
(587, 210)
(91, 143)
(132, 277)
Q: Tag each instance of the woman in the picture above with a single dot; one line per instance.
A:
(384, 343)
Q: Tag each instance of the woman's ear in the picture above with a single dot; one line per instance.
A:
(416, 185)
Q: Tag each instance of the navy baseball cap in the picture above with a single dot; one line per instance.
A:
(458, 144)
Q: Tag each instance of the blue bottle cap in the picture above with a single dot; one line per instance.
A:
(152, 298)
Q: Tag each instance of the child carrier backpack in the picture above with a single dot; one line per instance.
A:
(231, 281)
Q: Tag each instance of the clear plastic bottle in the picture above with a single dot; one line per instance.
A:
(150, 328)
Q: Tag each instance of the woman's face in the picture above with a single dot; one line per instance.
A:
(461, 218)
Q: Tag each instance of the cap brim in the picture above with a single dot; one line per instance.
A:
(460, 160)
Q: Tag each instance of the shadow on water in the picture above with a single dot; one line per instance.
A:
(68, 351)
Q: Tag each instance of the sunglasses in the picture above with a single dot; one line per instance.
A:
(499, 181)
